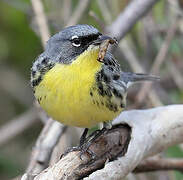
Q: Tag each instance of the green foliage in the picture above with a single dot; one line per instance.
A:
(8, 167)
(175, 152)
(19, 43)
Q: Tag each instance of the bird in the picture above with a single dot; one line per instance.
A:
(73, 87)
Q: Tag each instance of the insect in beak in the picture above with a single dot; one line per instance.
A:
(103, 42)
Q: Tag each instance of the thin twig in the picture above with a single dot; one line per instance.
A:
(105, 11)
(78, 12)
(41, 20)
(158, 60)
(66, 10)
(132, 13)
(17, 125)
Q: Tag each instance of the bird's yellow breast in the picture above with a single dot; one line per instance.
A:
(65, 92)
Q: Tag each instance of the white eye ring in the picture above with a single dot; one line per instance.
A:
(75, 41)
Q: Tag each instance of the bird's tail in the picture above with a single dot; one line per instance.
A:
(131, 78)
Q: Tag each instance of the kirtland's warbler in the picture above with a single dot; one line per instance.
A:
(72, 86)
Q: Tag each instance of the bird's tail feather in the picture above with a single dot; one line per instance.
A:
(131, 78)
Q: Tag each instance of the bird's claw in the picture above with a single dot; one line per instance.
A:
(84, 147)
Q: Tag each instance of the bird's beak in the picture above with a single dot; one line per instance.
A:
(103, 38)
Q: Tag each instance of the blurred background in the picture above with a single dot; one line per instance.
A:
(154, 45)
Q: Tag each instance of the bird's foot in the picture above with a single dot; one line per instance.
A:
(77, 148)
(85, 148)
(83, 137)
(86, 142)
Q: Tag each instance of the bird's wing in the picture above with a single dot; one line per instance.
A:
(124, 79)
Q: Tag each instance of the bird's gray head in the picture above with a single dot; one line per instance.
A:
(66, 45)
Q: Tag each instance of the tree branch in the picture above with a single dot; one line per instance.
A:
(133, 12)
(44, 146)
(147, 131)
(157, 164)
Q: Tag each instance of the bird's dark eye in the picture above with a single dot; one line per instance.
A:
(75, 41)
